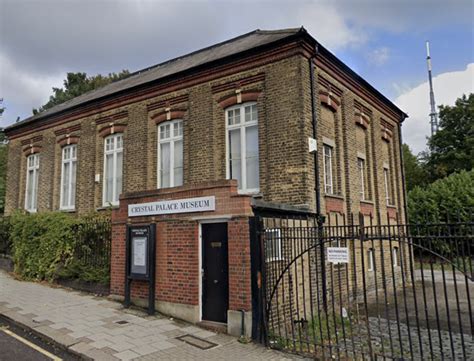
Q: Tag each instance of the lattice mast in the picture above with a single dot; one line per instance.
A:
(433, 114)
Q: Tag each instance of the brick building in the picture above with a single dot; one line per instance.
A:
(230, 126)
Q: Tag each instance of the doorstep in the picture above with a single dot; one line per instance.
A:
(218, 327)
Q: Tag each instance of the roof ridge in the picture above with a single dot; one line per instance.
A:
(194, 52)
(135, 76)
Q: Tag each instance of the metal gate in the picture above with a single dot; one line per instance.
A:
(357, 289)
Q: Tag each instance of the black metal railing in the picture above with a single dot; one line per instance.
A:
(366, 287)
(93, 244)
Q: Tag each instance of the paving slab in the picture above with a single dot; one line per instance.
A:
(87, 325)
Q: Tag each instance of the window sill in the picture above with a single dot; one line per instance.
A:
(105, 208)
(337, 196)
(255, 194)
(391, 206)
(66, 210)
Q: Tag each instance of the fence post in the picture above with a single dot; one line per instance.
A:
(257, 263)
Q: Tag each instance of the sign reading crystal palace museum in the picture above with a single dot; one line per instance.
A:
(188, 205)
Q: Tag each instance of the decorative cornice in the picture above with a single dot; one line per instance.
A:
(239, 97)
(386, 130)
(334, 71)
(237, 84)
(328, 99)
(168, 102)
(362, 120)
(35, 139)
(68, 130)
(68, 140)
(169, 114)
(111, 118)
(112, 129)
(325, 84)
(31, 149)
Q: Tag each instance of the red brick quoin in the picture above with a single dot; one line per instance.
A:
(177, 244)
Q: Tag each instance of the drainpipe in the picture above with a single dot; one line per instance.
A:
(400, 142)
(314, 118)
(320, 219)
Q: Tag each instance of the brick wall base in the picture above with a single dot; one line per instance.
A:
(177, 284)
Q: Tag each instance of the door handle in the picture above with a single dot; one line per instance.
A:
(216, 281)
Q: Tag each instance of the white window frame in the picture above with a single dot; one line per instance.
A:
(328, 178)
(273, 236)
(243, 151)
(371, 260)
(387, 183)
(362, 178)
(395, 255)
(113, 151)
(171, 139)
(34, 168)
(71, 204)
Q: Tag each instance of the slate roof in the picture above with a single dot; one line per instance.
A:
(215, 52)
(227, 49)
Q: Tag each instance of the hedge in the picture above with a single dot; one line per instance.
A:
(50, 245)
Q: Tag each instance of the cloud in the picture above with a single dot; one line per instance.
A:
(21, 91)
(447, 87)
(378, 56)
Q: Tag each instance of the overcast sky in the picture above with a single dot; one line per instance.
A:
(382, 40)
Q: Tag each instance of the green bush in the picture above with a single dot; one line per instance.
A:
(450, 198)
(42, 243)
(52, 245)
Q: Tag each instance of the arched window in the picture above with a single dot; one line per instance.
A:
(242, 146)
(113, 165)
(170, 154)
(68, 177)
(32, 172)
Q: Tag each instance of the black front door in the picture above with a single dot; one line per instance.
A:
(215, 276)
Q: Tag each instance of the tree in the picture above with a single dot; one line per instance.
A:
(415, 174)
(77, 84)
(452, 147)
(2, 108)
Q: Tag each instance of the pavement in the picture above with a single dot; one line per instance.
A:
(100, 329)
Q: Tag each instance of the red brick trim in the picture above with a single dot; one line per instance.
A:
(68, 140)
(334, 204)
(245, 96)
(112, 129)
(238, 83)
(171, 115)
(392, 212)
(112, 118)
(362, 120)
(31, 149)
(329, 100)
(366, 208)
(35, 139)
(168, 102)
(386, 134)
(68, 130)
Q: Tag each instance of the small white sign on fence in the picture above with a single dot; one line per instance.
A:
(338, 254)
